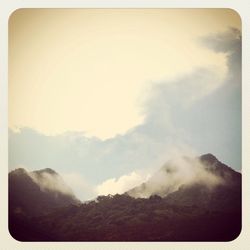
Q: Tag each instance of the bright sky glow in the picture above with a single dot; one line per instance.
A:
(90, 70)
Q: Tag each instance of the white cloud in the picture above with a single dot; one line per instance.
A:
(121, 184)
(48, 181)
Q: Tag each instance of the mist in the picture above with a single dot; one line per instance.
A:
(48, 180)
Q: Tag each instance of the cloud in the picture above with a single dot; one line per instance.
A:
(50, 181)
(66, 183)
(168, 97)
(226, 42)
(184, 90)
(230, 43)
(121, 184)
(201, 109)
(170, 100)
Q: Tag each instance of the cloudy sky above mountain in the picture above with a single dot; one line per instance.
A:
(105, 97)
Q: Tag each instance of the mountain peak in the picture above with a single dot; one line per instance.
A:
(206, 170)
(208, 158)
(46, 170)
(18, 171)
(38, 192)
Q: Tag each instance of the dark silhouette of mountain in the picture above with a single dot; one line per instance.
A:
(218, 168)
(204, 207)
(35, 193)
(226, 196)
(38, 192)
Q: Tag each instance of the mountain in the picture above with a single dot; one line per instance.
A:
(204, 173)
(225, 195)
(213, 165)
(38, 192)
(188, 199)
(35, 193)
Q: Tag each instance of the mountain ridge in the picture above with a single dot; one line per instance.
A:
(26, 194)
(205, 169)
(205, 210)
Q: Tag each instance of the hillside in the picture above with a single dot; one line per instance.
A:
(34, 194)
(206, 206)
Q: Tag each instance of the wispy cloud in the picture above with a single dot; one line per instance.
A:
(50, 181)
(228, 42)
(121, 184)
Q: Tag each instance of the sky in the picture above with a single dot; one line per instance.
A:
(106, 96)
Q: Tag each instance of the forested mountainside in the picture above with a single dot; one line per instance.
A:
(193, 211)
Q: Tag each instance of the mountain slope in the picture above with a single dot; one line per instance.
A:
(34, 194)
(124, 218)
(195, 200)
(225, 196)
(38, 192)
(206, 172)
